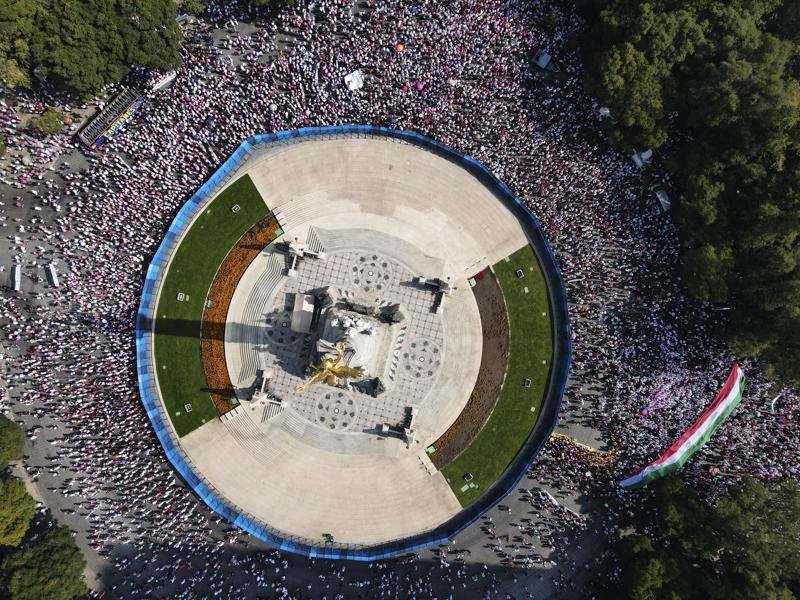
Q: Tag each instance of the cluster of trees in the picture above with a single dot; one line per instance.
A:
(193, 7)
(11, 442)
(83, 45)
(47, 565)
(720, 78)
(49, 122)
(746, 546)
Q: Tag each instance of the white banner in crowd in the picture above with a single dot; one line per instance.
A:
(355, 80)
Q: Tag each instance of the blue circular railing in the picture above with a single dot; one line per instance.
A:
(548, 417)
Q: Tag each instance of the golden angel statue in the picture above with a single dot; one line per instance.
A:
(330, 369)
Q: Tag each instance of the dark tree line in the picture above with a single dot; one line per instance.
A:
(743, 547)
(720, 77)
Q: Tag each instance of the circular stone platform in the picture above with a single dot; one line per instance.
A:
(367, 224)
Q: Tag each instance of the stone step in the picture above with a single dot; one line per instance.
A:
(252, 439)
(255, 306)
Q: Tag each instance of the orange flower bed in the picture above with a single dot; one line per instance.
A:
(212, 340)
(494, 359)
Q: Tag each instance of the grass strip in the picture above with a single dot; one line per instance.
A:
(176, 346)
(530, 357)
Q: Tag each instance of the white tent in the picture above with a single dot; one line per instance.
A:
(355, 80)
(663, 199)
(640, 159)
(542, 59)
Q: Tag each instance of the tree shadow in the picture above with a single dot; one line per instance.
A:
(194, 328)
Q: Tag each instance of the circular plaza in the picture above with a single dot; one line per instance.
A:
(352, 341)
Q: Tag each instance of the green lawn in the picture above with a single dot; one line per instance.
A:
(177, 333)
(531, 355)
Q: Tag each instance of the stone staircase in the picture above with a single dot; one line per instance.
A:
(255, 307)
(271, 410)
(248, 435)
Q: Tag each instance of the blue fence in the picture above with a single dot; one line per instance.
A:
(548, 417)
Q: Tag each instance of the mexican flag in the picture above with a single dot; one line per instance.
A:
(697, 435)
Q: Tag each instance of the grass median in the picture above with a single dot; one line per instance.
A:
(176, 347)
(530, 357)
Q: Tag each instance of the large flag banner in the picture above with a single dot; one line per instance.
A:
(697, 435)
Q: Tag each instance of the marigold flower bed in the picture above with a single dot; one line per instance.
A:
(212, 339)
(482, 400)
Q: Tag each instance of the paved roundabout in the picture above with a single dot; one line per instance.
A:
(352, 341)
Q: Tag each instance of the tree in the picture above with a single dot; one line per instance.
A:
(632, 89)
(634, 74)
(12, 442)
(724, 77)
(17, 26)
(49, 122)
(742, 96)
(49, 567)
(12, 75)
(656, 574)
(643, 577)
(84, 44)
(16, 511)
(708, 268)
(193, 7)
(758, 528)
(785, 21)
(746, 546)
(685, 518)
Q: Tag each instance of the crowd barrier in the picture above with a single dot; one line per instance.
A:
(548, 417)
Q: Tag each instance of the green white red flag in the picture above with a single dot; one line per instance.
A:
(697, 435)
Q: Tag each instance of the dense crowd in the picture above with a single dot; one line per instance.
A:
(646, 358)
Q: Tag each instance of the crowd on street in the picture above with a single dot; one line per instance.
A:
(646, 362)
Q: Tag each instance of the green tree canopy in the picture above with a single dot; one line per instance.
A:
(49, 567)
(634, 72)
(652, 573)
(746, 546)
(83, 45)
(723, 75)
(49, 122)
(17, 27)
(194, 7)
(16, 511)
(12, 442)
(634, 93)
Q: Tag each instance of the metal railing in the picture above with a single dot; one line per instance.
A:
(548, 416)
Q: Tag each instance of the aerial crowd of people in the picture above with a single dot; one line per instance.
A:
(646, 360)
